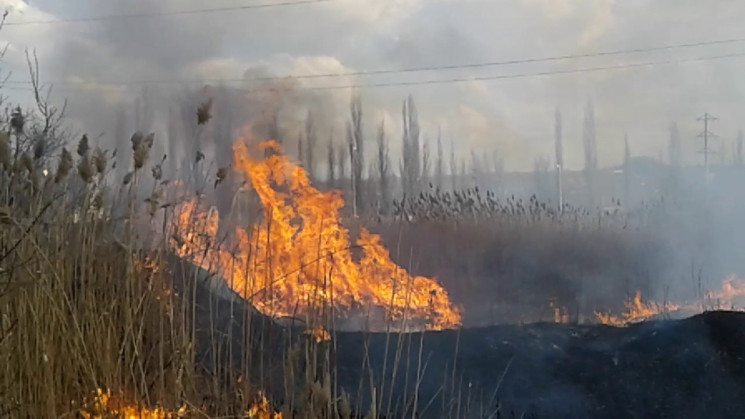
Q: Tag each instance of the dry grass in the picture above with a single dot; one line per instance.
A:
(510, 260)
(98, 319)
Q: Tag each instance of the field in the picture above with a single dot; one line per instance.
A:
(140, 299)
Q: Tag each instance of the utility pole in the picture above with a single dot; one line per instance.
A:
(706, 135)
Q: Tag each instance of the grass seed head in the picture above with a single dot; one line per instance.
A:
(157, 172)
(39, 147)
(83, 146)
(17, 120)
(100, 161)
(142, 152)
(127, 178)
(204, 112)
(64, 167)
(86, 170)
(136, 140)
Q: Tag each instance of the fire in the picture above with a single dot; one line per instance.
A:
(561, 314)
(301, 257)
(262, 409)
(105, 405)
(318, 334)
(731, 296)
(636, 311)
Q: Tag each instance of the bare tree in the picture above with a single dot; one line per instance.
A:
(439, 169)
(453, 166)
(300, 151)
(43, 130)
(331, 162)
(310, 143)
(273, 131)
(383, 168)
(341, 161)
(411, 161)
(426, 163)
(356, 150)
(591, 152)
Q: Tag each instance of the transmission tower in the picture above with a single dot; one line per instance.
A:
(707, 135)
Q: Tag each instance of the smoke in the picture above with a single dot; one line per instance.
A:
(235, 58)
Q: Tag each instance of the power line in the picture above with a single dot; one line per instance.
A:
(165, 13)
(410, 69)
(479, 78)
(525, 75)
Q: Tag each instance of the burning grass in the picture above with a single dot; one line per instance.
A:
(88, 298)
(301, 256)
(636, 311)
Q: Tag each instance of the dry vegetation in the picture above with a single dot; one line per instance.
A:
(99, 319)
(511, 259)
(97, 316)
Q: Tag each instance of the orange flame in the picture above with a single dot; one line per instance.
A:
(104, 405)
(561, 314)
(731, 296)
(301, 257)
(636, 311)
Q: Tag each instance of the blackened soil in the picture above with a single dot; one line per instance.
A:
(691, 368)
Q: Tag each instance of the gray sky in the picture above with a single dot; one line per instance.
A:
(513, 116)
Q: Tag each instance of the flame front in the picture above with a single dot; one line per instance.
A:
(301, 258)
(636, 311)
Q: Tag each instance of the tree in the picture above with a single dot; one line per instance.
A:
(310, 145)
(411, 160)
(453, 167)
(273, 131)
(738, 149)
(439, 169)
(591, 152)
(300, 151)
(383, 168)
(426, 163)
(356, 150)
(331, 162)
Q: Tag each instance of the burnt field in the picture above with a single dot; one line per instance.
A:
(692, 367)
(684, 368)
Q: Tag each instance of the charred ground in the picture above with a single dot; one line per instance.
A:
(694, 367)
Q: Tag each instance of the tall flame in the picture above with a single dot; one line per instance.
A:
(301, 256)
